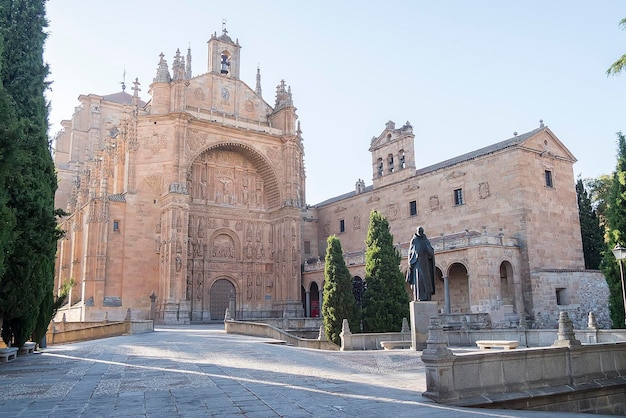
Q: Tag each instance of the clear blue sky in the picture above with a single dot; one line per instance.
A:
(466, 74)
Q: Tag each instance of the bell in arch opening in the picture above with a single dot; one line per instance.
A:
(225, 63)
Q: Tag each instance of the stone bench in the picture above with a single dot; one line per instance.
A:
(390, 345)
(27, 348)
(505, 344)
(8, 354)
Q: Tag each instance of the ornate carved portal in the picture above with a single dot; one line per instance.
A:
(229, 235)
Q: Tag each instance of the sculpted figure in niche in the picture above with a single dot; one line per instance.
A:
(421, 272)
(179, 263)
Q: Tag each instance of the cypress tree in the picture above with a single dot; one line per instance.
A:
(591, 231)
(386, 301)
(616, 233)
(31, 183)
(8, 138)
(339, 302)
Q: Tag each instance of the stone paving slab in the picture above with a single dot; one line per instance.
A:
(200, 371)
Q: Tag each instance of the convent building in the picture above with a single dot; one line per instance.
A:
(193, 203)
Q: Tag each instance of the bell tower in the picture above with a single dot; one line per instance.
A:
(224, 54)
(393, 155)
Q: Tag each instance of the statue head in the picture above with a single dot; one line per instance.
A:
(419, 231)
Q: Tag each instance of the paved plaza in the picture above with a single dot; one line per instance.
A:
(200, 371)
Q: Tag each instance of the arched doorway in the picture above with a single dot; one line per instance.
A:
(220, 296)
(316, 306)
(459, 288)
(358, 287)
(507, 290)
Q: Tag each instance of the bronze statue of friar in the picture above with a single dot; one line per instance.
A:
(421, 272)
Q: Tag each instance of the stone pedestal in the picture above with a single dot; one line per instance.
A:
(420, 319)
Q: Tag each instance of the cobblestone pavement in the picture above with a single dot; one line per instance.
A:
(200, 371)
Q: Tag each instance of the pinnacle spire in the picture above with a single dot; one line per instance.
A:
(188, 69)
(163, 73)
(258, 90)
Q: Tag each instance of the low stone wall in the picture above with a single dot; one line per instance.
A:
(508, 378)
(567, 376)
(68, 332)
(259, 329)
(293, 323)
(531, 337)
(367, 341)
(371, 341)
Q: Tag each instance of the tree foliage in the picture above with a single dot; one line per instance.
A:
(619, 65)
(591, 231)
(31, 181)
(386, 301)
(616, 233)
(599, 190)
(339, 303)
(8, 139)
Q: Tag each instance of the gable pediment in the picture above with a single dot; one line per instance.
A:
(548, 145)
(390, 134)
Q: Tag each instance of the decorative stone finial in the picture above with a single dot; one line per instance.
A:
(436, 345)
(591, 321)
(405, 326)
(345, 327)
(135, 88)
(565, 335)
(322, 334)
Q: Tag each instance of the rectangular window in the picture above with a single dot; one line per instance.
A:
(116, 226)
(561, 296)
(549, 181)
(458, 197)
(307, 247)
(342, 226)
(413, 207)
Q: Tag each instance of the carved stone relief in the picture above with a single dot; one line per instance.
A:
(483, 190)
(391, 212)
(223, 247)
(434, 202)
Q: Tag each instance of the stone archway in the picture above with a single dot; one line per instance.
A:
(507, 289)
(220, 296)
(316, 303)
(458, 281)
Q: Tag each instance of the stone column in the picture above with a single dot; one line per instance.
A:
(307, 297)
(446, 294)
(321, 300)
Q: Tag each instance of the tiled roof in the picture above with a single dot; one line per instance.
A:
(511, 142)
(343, 196)
(122, 98)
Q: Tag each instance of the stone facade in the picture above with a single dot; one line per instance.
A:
(195, 195)
(503, 221)
(198, 195)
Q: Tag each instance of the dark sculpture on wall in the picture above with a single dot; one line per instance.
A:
(421, 272)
